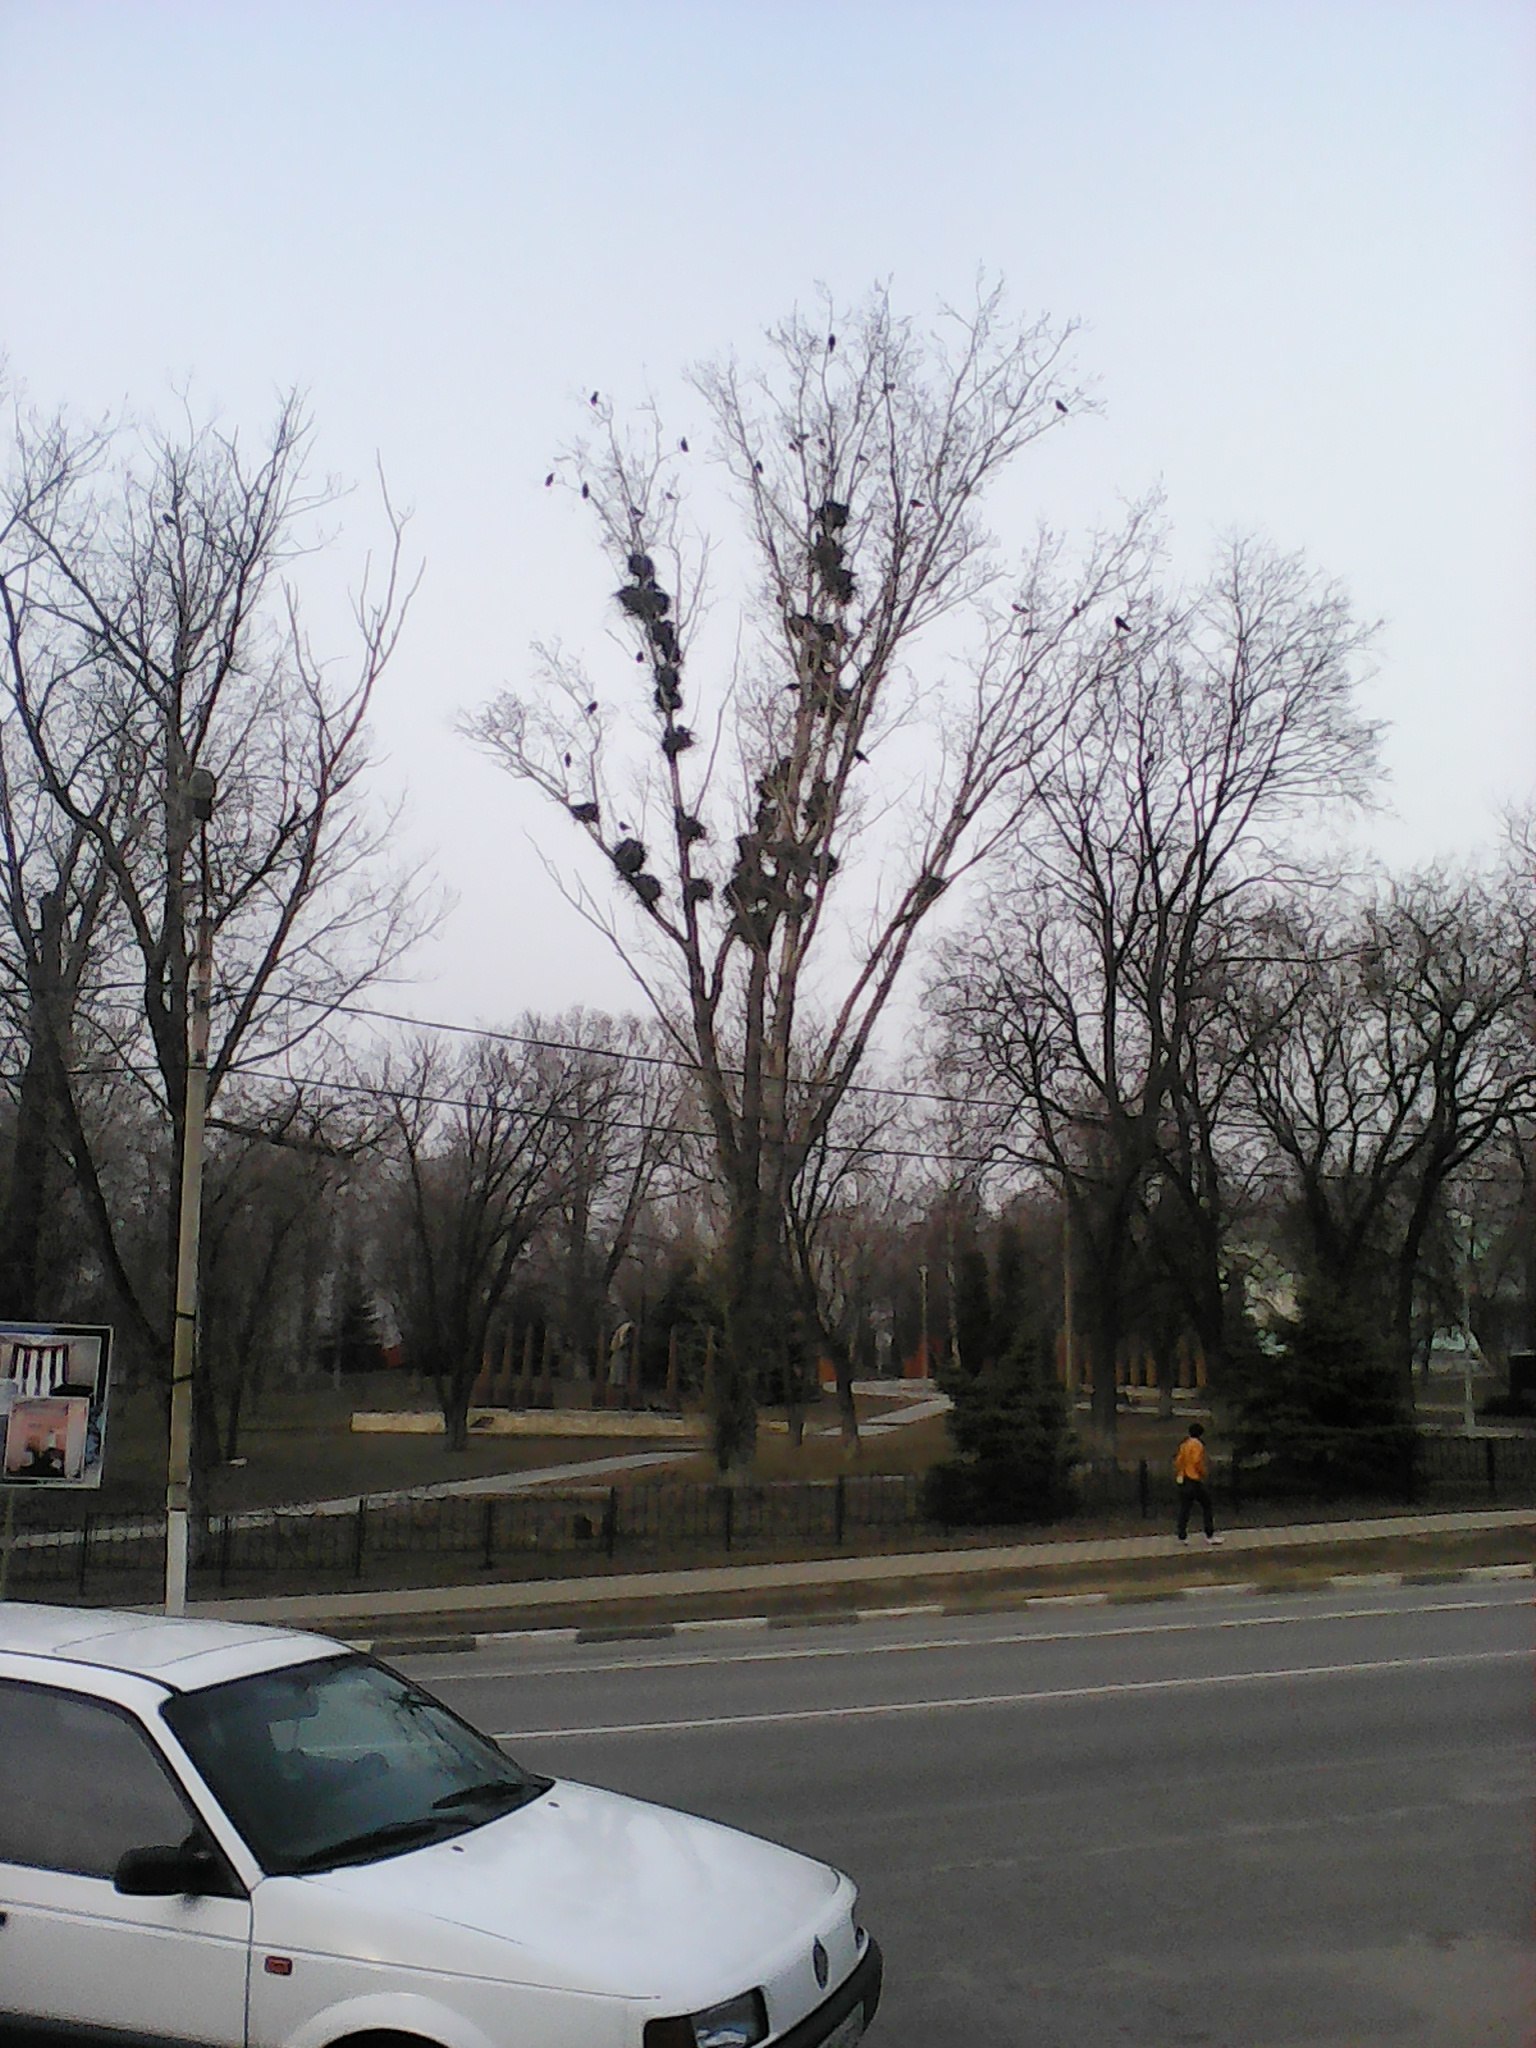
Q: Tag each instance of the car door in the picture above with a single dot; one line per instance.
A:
(81, 1784)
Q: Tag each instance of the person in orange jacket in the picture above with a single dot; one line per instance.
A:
(1191, 1476)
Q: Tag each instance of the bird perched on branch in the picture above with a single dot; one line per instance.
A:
(1060, 407)
(1122, 625)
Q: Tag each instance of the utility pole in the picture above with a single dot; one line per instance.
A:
(1068, 1361)
(201, 789)
(949, 1282)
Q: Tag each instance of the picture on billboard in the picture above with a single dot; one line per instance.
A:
(53, 1403)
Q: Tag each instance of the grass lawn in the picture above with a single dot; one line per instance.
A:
(298, 1445)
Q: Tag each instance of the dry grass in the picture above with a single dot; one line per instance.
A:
(299, 1446)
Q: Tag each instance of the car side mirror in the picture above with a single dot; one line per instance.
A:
(184, 1870)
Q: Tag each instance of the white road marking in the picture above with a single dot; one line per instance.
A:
(808, 1652)
(1127, 1687)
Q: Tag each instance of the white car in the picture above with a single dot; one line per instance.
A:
(247, 1838)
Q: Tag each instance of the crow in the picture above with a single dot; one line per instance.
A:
(585, 492)
(831, 343)
(593, 399)
(549, 480)
(758, 467)
(683, 444)
(592, 708)
(1060, 407)
(1122, 625)
(567, 760)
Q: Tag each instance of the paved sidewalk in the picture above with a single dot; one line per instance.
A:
(463, 1606)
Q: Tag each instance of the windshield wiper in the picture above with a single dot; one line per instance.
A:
(394, 1834)
(506, 1793)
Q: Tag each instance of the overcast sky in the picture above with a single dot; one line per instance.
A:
(1300, 239)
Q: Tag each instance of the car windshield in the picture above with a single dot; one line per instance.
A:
(342, 1761)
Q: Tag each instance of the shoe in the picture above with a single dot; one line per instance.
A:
(1213, 1539)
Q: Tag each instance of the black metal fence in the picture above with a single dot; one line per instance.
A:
(1430, 1472)
(399, 1541)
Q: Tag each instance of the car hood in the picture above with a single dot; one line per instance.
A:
(580, 1890)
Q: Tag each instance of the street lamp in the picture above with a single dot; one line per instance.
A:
(201, 788)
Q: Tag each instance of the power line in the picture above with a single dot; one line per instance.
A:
(377, 1091)
(674, 1063)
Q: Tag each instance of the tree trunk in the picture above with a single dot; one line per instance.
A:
(28, 1203)
(456, 1414)
(1106, 1326)
(21, 1232)
(232, 1421)
(746, 1323)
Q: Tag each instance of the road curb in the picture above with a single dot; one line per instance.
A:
(468, 1644)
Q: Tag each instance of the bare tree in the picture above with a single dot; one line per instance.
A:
(889, 698)
(151, 629)
(1086, 1001)
(485, 1142)
(626, 1145)
(276, 1167)
(1397, 1050)
(834, 1213)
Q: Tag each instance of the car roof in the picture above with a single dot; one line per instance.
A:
(182, 1654)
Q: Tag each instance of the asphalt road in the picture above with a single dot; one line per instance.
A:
(1282, 1822)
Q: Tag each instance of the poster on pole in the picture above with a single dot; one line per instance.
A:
(53, 1403)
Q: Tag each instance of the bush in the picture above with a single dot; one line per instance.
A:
(1010, 1427)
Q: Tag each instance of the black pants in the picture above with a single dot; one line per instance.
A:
(1190, 1491)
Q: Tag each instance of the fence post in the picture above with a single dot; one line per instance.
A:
(611, 1521)
(85, 1553)
(489, 1552)
(226, 1540)
(1491, 1467)
(359, 1536)
(840, 1509)
(1143, 1488)
(730, 1514)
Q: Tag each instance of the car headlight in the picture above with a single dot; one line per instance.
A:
(738, 2023)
